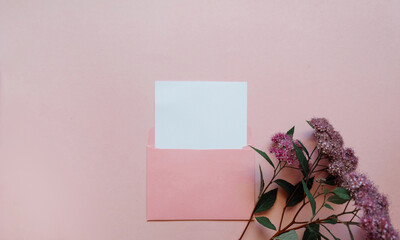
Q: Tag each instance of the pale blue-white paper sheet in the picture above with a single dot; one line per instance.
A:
(200, 115)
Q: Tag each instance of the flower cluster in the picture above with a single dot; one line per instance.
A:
(282, 148)
(375, 206)
(342, 164)
(330, 143)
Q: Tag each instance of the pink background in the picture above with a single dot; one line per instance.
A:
(77, 96)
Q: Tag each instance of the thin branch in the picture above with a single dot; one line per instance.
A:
(287, 229)
(276, 172)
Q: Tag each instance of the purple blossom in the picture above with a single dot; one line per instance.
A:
(342, 164)
(370, 200)
(329, 141)
(351, 161)
(367, 223)
(353, 181)
(375, 206)
(282, 148)
(321, 125)
(378, 228)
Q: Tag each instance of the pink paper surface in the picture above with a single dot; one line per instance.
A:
(185, 184)
(77, 101)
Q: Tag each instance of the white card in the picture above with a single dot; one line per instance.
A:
(200, 115)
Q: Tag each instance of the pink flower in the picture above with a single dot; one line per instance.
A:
(321, 125)
(378, 227)
(375, 206)
(353, 181)
(343, 163)
(282, 148)
(329, 143)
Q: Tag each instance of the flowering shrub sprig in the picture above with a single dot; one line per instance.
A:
(337, 182)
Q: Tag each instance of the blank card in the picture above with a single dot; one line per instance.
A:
(200, 115)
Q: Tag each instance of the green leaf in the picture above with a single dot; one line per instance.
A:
(264, 155)
(290, 132)
(298, 193)
(266, 201)
(342, 193)
(291, 235)
(330, 233)
(351, 234)
(309, 235)
(262, 184)
(332, 219)
(266, 222)
(309, 196)
(328, 206)
(311, 232)
(336, 200)
(302, 159)
(321, 235)
(288, 187)
(303, 148)
(341, 196)
(309, 123)
(331, 180)
(326, 191)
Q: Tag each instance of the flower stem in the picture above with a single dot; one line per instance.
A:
(287, 228)
(277, 170)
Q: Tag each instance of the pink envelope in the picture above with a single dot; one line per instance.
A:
(185, 184)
